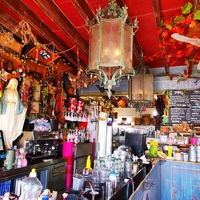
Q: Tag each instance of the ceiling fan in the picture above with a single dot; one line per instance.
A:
(193, 41)
(181, 38)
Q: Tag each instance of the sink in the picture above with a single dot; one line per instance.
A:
(88, 194)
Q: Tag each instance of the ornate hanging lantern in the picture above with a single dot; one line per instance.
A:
(110, 47)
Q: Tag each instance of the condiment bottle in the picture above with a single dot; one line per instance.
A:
(113, 178)
(170, 151)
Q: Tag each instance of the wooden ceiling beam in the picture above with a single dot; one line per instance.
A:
(84, 9)
(157, 14)
(5, 18)
(195, 4)
(41, 29)
(55, 14)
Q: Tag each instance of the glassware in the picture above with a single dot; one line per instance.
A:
(95, 177)
(128, 167)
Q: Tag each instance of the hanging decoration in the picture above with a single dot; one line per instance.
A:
(81, 79)
(186, 24)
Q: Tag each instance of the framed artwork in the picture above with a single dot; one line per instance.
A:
(35, 107)
(37, 92)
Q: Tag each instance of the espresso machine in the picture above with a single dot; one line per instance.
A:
(41, 146)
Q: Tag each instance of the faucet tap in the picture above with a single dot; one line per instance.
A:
(91, 186)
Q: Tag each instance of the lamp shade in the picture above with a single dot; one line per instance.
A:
(111, 46)
(141, 87)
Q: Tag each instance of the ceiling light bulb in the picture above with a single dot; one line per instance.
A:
(117, 53)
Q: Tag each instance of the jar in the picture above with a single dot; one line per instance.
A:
(177, 154)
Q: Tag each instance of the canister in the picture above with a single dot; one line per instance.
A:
(10, 157)
(177, 154)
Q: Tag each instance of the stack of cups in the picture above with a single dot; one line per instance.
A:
(198, 153)
(192, 153)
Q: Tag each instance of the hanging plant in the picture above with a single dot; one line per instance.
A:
(139, 107)
(186, 24)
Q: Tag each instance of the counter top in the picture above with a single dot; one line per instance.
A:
(123, 190)
(4, 172)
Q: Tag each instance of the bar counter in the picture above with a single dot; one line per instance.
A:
(52, 175)
(170, 179)
(123, 190)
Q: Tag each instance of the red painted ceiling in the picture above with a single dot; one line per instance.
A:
(75, 12)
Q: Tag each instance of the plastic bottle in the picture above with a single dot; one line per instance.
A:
(46, 194)
(10, 156)
(31, 187)
(113, 178)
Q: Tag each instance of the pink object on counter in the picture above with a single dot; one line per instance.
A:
(194, 140)
(69, 181)
(68, 149)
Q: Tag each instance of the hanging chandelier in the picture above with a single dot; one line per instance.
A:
(141, 86)
(110, 45)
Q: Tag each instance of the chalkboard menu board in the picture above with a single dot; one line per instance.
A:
(184, 106)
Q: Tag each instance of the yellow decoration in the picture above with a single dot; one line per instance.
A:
(153, 143)
(88, 163)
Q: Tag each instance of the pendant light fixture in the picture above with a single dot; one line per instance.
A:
(110, 45)
(141, 85)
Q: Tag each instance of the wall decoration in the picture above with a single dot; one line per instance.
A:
(36, 92)
(35, 108)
